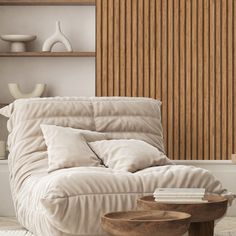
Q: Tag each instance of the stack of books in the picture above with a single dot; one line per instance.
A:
(179, 195)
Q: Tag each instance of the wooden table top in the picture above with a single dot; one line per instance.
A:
(214, 209)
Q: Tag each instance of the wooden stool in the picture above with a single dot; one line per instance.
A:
(146, 223)
(203, 214)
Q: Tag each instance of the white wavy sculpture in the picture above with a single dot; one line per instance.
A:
(57, 37)
(17, 93)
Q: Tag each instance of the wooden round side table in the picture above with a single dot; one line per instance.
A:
(203, 214)
(146, 223)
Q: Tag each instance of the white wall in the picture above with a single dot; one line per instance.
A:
(63, 76)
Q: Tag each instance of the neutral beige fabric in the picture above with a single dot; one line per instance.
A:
(128, 154)
(67, 147)
(70, 202)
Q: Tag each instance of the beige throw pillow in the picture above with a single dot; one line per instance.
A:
(67, 147)
(128, 154)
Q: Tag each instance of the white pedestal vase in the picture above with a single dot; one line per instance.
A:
(57, 37)
(18, 42)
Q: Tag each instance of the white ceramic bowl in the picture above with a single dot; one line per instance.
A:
(18, 37)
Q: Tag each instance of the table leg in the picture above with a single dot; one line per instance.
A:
(201, 228)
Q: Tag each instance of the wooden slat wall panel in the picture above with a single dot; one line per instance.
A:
(182, 88)
(206, 78)
(212, 53)
(176, 84)
(181, 52)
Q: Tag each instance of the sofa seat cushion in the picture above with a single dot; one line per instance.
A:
(73, 200)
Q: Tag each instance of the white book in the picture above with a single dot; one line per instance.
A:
(186, 201)
(179, 197)
(180, 191)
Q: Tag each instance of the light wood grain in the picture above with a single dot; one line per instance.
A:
(188, 78)
(200, 82)
(182, 87)
(110, 78)
(146, 17)
(128, 52)
(224, 81)
(230, 84)
(152, 16)
(122, 48)
(212, 73)
(176, 80)
(218, 73)
(164, 70)
(158, 85)
(140, 48)
(134, 48)
(116, 47)
(206, 79)
(170, 78)
(183, 53)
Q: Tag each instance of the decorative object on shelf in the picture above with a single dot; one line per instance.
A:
(18, 42)
(57, 37)
(16, 91)
(2, 150)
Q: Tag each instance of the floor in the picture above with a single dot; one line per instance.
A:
(10, 227)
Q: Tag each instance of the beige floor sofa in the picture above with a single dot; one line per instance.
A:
(70, 201)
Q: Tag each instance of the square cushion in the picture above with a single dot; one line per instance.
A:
(128, 154)
(67, 147)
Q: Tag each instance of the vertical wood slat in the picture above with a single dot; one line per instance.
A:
(230, 93)
(146, 25)
(224, 80)
(116, 48)
(194, 85)
(152, 56)
(129, 48)
(110, 48)
(122, 48)
(206, 78)
(170, 78)
(182, 88)
(188, 78)
(176, 73)
(158, 52)
(212, 18)
(218, 73)
(140, 47)
(200, 81)
(134, 48)
(179, 51)
(164, 88)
